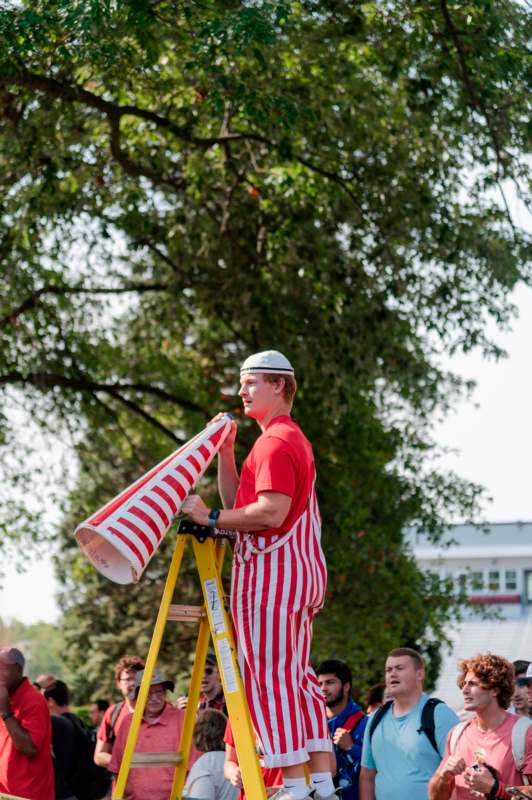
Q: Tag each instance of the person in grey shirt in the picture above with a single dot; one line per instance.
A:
(206, 779)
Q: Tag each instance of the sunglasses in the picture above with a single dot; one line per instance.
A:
(523, 681)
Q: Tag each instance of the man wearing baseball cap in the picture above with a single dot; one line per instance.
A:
(25, 733)
(279, 576)
(160, 732)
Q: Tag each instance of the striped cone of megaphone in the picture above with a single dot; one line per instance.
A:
(121, 538)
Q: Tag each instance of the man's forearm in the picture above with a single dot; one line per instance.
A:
(227, 477)
(21, 738)
(440, 789)
(102, 754)
(367, 786)
(253, 517)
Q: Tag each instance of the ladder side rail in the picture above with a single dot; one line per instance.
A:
(202, 646)
(224, 645)
(151, 662)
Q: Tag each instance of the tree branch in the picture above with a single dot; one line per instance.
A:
(35, 298)
(114, 112)
(132, 167)
(49, 380)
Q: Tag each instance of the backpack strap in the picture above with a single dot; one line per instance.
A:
(519, 732)
(115, 713)
(456, 732)
(427, 721)
(352, 721)
(377, 717)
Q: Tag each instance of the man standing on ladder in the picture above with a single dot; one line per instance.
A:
(279, 576)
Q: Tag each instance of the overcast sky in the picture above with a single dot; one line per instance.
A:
(493, 434)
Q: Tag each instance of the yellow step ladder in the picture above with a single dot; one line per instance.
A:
(214, 622)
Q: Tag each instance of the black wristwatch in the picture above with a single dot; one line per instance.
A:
(7, 715)
(213, 517)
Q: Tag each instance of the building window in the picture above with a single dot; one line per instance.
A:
(477, 581)
(510, 580)
(494, 581)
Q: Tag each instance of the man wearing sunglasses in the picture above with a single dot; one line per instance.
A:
(520, 700)
(212, 695)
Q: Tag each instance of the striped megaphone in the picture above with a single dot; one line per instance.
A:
(121, 538)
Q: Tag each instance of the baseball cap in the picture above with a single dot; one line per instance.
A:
(157, 679)
(271, 361)
(11, 655)
(527, 678)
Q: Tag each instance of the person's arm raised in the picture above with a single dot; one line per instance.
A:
(227, 472)
(441, 784)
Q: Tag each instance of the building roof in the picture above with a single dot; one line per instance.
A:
(508, 539)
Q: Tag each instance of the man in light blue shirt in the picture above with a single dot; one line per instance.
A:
(398, 757)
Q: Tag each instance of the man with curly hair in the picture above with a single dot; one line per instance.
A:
(125, 670)
(481, 756)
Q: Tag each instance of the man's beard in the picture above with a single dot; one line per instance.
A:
(333, 701)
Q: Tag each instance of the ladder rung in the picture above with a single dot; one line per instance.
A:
(156, 759)
(186, 613)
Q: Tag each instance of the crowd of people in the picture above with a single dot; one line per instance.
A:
(397, 743)
(315, 741)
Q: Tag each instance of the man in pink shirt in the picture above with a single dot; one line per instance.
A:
(160, 732)
(479, 759)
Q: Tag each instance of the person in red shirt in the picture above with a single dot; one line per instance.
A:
(279, 576)
(212, 695)
(25, 733)
(273, 777)
(125, 671)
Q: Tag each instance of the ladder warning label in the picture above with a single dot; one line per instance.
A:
(214, 606)
(226, 663)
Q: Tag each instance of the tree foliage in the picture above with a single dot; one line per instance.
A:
(183, 183)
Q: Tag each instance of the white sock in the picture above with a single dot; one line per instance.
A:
(298, 787)
(323, 782)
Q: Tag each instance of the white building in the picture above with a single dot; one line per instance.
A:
(495, 564)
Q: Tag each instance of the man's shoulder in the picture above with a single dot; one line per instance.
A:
(27, 699)
(444, 713)
(283, 434)
(171, 713)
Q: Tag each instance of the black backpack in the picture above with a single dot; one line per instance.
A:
(90, 781)
(427, 720)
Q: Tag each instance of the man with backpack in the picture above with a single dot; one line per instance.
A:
(347, 723)
(405, 738)
(492, 751)
(125, 670)
(76, 775)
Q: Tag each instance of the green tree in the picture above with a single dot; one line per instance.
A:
(184, 183)
(41, 642)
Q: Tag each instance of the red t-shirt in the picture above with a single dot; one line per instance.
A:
(31, 778)
(281, 460)
(273, 776)
(104, 731)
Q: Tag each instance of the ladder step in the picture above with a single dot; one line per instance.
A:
(186, 613)
(156, 759)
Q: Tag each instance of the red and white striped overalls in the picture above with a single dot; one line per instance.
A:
(278, 585)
